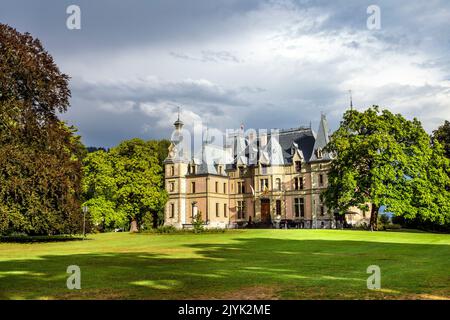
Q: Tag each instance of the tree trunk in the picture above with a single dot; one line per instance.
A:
(374, 218)
(155, 221)
(134, 225)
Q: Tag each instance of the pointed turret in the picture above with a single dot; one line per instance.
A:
(322, 140)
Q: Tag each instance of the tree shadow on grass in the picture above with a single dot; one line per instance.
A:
(242, 269)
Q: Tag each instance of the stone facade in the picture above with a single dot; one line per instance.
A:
(264, 178)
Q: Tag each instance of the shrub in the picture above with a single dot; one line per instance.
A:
(166, 229)
(393, 226)
(197, 223)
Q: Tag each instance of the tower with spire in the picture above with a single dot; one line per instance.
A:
(175, 171)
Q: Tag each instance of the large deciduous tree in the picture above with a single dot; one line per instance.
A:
(383, 159)
(125, 185)
(40, 166)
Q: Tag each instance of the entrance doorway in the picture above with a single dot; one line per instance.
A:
(265, 211)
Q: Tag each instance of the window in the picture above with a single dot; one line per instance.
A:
(217, 187)
(320, 179)
(192, 187)
(299, 207)
(264, 184)
(298, 183)
(240, 210)
(172, 170)
(278, 207)
(220, 170)
(241, 187)
(193, 212)
(171, 186)
(172, 210)
(278, 183)
(193, 169)
(217, 210)
(322, 210)
(241, 171)
(298, 166)
(224, 187)
(319, 153)
(225, 210)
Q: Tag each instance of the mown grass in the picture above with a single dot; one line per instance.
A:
(241, 264)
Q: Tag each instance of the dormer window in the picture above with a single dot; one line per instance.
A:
(319, 153)
(192, 168)
(298, 166)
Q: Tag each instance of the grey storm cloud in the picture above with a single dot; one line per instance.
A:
(154, 90)
(264, 63)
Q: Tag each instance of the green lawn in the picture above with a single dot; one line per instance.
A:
(247, 264)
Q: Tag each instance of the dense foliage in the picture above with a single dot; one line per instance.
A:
(384, 159)
(40, 166)
(442, 134)
(124, 186)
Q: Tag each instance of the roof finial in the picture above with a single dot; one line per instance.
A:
(351, 99)
(178, 124)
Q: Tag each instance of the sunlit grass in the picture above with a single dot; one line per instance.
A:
(260, 264)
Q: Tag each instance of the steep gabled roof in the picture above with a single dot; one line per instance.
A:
(321, 140)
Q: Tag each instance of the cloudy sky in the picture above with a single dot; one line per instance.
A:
(267, 64)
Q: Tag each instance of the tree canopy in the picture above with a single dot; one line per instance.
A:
(40, 156)
(125, 186)
(384, 159)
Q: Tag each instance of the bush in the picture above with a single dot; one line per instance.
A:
(393, 226)
(197, 223)
(383, 221)
(166, 229)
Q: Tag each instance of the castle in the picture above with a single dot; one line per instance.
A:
(264, 178)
